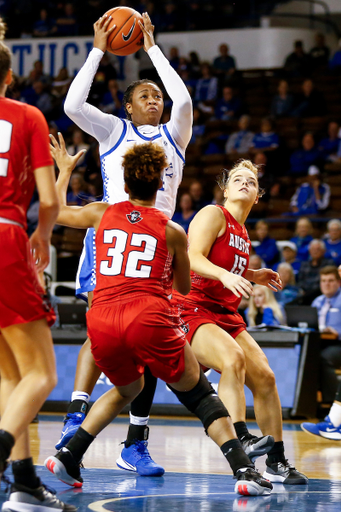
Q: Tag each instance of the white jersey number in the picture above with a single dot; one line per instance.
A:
(5, 145)
(239, 265)
(114, 267)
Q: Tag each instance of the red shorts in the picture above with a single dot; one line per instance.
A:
(21, 296)
(127, 335)
(192, 317)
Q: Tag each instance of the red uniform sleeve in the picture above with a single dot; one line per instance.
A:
(39, 139)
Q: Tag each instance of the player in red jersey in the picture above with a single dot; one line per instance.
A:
(219, 249)
(27, 363)
(131, 323)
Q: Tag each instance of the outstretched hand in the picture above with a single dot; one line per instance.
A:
(269, 278)
(64, 161)
(148, 31)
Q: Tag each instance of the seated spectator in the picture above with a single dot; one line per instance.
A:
(207, 86)
(195, 16)
(78, 195)
(174, 58)
(218, 195)
(282, 102)
(319, 54)
(289, 255)
(302, 238)
(267, 249)
(229, 106)
(224, 66)
(333, 241)
(186, 213)
(335, 61)
(45, 26)
(328, 147)
(298, 63)
(61, 84)
(256, 262)
(112, 100)
(290, 291)
(329, 308)
(78, 144)
(266, 179)
(169, 18)
(196, 192)
(194, 65)
(199, 126)
(263, 308)
(37, 73)
(309, 274)
(266, 139)
(312, 196)
(310, 103)
(67, 23)
(240, 142)
(302, 159)
(38, 96)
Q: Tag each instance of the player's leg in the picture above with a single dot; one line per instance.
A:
(196, 393)
(215, 348)
(330, 427)
(261, 381)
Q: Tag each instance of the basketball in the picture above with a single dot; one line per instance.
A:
(127, 38)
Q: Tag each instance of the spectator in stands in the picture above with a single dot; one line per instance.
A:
(218, 196)
(38, 96)
(207, 85)
(303, 237)
(329, 312)
(282, 102)
(319, 54)
(310, 103)
(256, 262)
(289, 291)
(169, 18)
(199, 127)
(224, 65)
(302, 159)
(298, 63)
(267, 180)
(266, 139)
(67, 23)
(194, 65)
(61, 84)
(78, 195)
(267, 249)
(289, 255)
(333, 240)
(312, 196)
(196, 192)
(335, 61)
(229, 106)
(186, 213)
(240, 142)
(92, 164)
(45, 26)
(328, 147)
(112, 100)
(78, 144)
(37, 73)
(174, 58)
(308, 276)
(195, 16)
(263, 308)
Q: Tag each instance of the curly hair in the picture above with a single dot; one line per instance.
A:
(5, 54)
(226, 174)
(128, 95)
(143, 165)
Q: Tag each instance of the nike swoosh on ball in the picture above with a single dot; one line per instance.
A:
(128, 36)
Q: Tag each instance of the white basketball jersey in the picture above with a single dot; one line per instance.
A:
(112, 171)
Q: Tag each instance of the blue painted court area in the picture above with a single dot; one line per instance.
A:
(116, 491)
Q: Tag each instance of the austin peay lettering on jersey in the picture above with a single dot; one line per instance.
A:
(239, 243)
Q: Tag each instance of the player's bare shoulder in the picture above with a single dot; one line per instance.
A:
(210, 218)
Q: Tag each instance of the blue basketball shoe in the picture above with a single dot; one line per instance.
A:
(323, 429)
(72, 422)
(136, 458)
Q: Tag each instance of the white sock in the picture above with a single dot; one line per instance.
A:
(138, 420)
(80, 395)
(335, 414)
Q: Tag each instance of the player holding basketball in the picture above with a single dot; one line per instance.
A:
(219, 249)
(140, 254)
(143, 102)
(27, 363)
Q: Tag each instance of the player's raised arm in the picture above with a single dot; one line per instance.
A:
(86, 116)
(180, 125)
(72, 216)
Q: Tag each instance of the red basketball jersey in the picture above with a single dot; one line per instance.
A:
(131, 253)
(231, 252)
(24, 147)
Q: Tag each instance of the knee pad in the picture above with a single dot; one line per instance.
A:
(203, 401)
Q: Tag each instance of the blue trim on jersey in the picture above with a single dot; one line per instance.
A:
(87, 271)
(148, 139)
(124, 131)
(168, 135)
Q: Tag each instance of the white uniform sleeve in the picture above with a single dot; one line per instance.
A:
(323, 203)
(180, 124)
(86, 116)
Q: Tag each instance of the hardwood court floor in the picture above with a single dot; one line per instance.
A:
(197, 477)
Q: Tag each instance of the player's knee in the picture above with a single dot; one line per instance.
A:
(266, 380)
(203, 401)
(234, 361)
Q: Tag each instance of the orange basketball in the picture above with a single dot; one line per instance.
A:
(127, 37)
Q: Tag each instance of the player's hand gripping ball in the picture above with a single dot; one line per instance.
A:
(127, 37)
